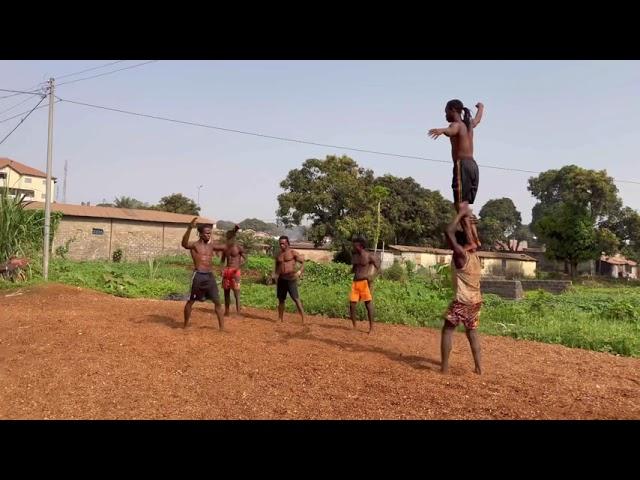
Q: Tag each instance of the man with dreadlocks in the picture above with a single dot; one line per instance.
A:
(203, 283)
(465, 168)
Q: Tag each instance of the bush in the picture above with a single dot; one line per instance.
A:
(395, 272)
(117, 255)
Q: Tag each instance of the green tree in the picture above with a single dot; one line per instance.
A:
(129, 202)
(570, 218)
(416, 215)
(625, 224)
(178, 203)
(225, 224)
(324, 191)
(260, 226)
(500, 221)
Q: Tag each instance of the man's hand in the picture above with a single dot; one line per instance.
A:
(479, 105)
(435, 133)
(194, 222)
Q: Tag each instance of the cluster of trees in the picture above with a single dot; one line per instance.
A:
(252, 224)
(578, 214)
(175, 203)
(341, 199)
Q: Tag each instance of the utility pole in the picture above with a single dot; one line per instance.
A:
(199, 187)
(64, 187)
(47, 201)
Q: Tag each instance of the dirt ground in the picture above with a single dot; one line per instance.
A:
(68, 353)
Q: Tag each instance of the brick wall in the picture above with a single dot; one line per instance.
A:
(138, 240)
(83, 243)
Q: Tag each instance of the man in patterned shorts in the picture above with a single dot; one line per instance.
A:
(465, 307)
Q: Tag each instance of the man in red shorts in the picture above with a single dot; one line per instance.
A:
(465, 307)
(234, 256)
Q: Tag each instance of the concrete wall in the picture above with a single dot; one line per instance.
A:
(37, 184)
(509, 289)
(138, 240)
(508, 268)
(551, 286)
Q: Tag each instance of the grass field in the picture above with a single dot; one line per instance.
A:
(596, 317)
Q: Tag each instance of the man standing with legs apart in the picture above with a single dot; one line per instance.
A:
(203, 283)
(285, 270)
(235, 258)
(465, 169)
(361, 261)
(465, 307)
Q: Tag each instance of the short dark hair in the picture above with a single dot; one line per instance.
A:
(359, 239)
(202, 226)
(284, 237)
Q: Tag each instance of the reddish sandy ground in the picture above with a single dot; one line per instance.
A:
(68, 353)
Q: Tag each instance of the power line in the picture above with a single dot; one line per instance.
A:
(22, 113)
(106, 73)
(88, 70)
(41, 84)
(17, 92)
(18, 104)
(294, 140)
(21, 121)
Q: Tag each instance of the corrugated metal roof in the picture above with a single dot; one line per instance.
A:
(415, 249)
(118, 213)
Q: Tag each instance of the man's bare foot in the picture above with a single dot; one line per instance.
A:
(370, 330)
(226, 314)
(444, 369)
(353, 325)
(477, 370)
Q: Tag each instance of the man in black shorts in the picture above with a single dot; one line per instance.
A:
(465, 169)
(285, 270)
(203, 283)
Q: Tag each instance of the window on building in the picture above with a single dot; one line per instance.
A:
(44, 181)
(97, 231)
(3, 175)
(43, 196)
(27, 179)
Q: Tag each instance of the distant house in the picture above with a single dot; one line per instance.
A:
(617, 266)
(493, 263)
(22, 179)
(94, 233)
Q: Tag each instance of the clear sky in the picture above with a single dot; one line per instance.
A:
(539, 115)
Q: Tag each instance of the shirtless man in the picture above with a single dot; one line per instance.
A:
(465, 307)
(361, 261)
(235, 258)
(285, 271)
(465, 168)
(203, 284)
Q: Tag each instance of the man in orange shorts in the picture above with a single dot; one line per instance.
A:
(361, 261)
(234, 257)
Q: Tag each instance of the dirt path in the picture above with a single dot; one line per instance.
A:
(72, 353)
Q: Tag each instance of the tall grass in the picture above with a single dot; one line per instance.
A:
(21, 230)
